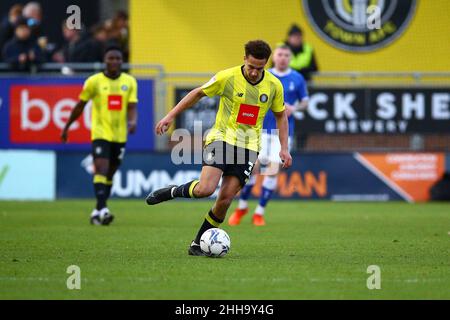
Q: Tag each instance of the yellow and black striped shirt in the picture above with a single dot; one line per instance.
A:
(243, 106)
(110, 99)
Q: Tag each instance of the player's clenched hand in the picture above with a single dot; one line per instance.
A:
(286, 158)
(163, 125)
(64, 136)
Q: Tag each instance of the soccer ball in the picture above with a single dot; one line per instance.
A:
(215, 242)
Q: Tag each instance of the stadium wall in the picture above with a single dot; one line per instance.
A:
(206, 36)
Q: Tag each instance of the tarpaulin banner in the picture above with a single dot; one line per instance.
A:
(340, 177)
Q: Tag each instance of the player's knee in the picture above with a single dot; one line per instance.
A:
(101, 166)
(103, 170)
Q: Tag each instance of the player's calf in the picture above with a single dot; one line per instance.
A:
(203, 190)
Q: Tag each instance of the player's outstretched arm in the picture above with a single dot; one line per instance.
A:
(188, 101)
(76, 112)
(283, 128)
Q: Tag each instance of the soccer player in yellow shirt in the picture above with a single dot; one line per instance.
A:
(114, 98)
(246, 93)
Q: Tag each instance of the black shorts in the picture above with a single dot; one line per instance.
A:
(113, 151)
(232, 160)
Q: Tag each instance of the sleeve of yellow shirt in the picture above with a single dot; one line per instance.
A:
(215, 86)
(278, 101)
(88, 90)
(133, 92)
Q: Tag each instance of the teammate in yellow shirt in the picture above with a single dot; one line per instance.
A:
(246, 93)
(114, 98)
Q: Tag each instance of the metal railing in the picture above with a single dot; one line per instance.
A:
(83, 66)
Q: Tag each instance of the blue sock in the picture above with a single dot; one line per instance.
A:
(245, 192)
(266, 194)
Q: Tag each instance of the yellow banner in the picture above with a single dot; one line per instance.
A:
(204, 35)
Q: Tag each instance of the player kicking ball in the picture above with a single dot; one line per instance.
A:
(296, 99)
(231, 149)
(114, 115)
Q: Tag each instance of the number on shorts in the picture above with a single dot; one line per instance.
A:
(250, 168)
(121, 154)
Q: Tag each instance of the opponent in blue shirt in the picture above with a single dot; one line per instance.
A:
(296, 99)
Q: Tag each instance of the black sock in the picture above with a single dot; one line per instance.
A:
(101, 194)
(108, 190)
(211, 221)
(185, 190)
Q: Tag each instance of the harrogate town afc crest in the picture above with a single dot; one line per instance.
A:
(359, 25)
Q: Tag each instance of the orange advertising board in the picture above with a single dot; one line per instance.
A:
(411, 174)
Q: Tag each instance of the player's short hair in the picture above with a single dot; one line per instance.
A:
(258, 49)
(112, 48)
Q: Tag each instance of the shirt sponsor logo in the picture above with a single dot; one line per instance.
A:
(114, 102)
(248, 114)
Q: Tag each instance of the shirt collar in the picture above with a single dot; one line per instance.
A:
(281, 74)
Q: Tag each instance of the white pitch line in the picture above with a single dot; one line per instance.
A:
(46, 279)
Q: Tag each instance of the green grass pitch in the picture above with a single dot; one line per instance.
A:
(308, 250)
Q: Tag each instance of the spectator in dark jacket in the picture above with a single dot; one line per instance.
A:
(8, 24)
(74, 43)
(22, 51)
(93, 49)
